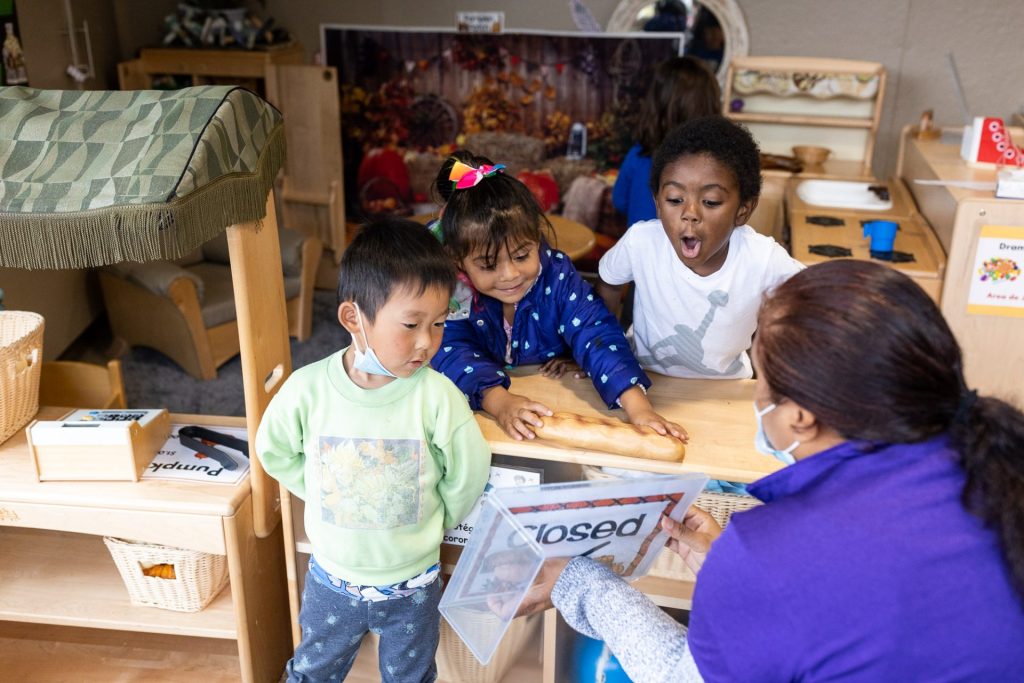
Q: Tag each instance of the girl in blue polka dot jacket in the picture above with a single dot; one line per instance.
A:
(521, 302)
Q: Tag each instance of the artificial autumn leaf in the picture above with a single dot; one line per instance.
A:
(550, 92)
(526, 100)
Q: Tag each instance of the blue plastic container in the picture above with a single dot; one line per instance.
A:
(882, 234)
(593, 662)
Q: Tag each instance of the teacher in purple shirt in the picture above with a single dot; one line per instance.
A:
(892, 546)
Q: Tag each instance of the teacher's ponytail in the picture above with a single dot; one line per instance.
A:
(989, 435)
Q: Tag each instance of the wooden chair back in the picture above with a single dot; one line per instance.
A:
(312, 190)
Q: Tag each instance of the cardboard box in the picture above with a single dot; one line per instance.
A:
(91, 445)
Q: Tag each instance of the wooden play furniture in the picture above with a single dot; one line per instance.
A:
(186, 309)
(81, 385)
(237, 67)
(312, 188)
(914, 237)
(787, 101)
(715, 413)
(55, 570)
(991, 344)
(48, 577)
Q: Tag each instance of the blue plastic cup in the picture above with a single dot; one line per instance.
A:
(882, 234)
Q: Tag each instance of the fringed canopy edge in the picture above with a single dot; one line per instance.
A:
(144, 232)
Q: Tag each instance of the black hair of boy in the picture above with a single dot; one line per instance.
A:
(388, 254)
(727, 142)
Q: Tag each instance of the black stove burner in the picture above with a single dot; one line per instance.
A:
(830, 250)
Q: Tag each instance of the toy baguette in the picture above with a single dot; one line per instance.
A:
(611, 436)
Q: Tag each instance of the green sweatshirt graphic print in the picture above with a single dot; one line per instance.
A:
(383, 472)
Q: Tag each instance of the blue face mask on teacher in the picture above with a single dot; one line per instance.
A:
(367, 361)
(763, 445)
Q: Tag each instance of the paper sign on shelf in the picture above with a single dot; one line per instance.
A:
(500, 477)
(997, 287)
(174, 461)
(480, 22)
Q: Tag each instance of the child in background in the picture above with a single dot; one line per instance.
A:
(386, 454)
(524, 304)
(699, 271)
(682, 89)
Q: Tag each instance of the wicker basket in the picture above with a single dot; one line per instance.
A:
(21, 355)
(669, 564)
(198, 576)
(455, 662)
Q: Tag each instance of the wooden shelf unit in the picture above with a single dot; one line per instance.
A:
(44, 576)
(779, 121)
(993, 363)
(56, 571)
(242, 67)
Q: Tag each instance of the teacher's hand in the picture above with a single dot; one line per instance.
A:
(692, 538)
(538, 598)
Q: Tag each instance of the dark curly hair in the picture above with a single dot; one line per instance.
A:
(728, 143)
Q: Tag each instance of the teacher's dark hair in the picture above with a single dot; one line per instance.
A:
(864, 349)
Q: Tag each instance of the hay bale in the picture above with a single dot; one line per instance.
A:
(517, 152)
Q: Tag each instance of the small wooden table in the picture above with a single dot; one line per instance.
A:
(575, 239)
(717, 414)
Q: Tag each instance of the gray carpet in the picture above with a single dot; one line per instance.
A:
(152, 380)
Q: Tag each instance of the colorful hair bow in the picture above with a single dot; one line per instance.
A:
(464, 176)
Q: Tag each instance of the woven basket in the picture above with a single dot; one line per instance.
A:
(198, 576)
(21, 356)
(455, 662)
(669, 564)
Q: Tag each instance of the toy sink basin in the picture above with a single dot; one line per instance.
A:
(841, 194)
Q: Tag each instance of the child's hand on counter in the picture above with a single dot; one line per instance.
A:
(515, 414)
(640, 412)
(556, 367)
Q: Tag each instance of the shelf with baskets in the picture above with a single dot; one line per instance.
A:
(55, 570)
(70, 579)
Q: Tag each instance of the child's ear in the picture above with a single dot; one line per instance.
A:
(745, 211)
(348, 317)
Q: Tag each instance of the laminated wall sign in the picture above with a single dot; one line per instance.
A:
(997, 287)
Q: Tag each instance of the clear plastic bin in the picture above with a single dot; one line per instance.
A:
(616, 522)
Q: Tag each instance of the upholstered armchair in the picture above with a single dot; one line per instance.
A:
(186, 308)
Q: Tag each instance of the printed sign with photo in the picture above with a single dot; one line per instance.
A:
(175, 461)
(997, 287)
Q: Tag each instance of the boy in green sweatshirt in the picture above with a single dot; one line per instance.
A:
(386, 454)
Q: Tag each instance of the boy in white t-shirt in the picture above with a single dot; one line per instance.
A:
(700, 272)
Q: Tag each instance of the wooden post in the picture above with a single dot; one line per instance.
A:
(263, 336)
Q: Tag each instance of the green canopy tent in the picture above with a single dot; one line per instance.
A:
(92, 178)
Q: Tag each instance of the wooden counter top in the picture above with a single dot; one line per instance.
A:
(717, 414)
(18, 482)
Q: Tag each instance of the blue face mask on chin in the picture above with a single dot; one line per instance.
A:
(367, 361)
(762, 444)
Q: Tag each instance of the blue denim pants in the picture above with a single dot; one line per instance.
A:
(333, 626)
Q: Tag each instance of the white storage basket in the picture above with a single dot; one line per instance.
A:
(197, 576)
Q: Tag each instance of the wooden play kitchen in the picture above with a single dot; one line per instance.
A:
(821, 233)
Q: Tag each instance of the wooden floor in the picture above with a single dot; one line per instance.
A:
(60, 654)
